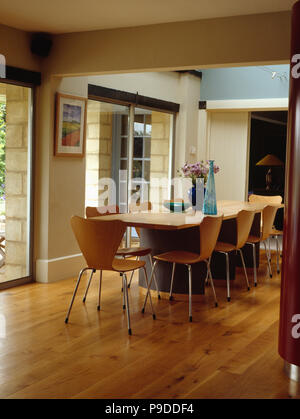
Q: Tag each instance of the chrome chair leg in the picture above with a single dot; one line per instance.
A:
(277, 253)
(131, 276)
(190, 292)
(124, 297)
(149, 286)
(172, 280)
(150, 298)
(154, 277)
(209, 275)
(100, 286)
(88, 285)
(228, 277)
(269, 265)
(125, 287)
(244, 266)
(75, 292)
(254, 263)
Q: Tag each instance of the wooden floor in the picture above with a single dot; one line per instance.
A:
(227, 352)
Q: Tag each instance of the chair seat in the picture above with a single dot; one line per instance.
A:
(179, 256)
(253, 239)
(224, 247)
(133, 251)
(125, 265)
(276, 232)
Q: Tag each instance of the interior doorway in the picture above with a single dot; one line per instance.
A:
(268, 155)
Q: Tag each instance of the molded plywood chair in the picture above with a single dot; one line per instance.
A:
(105, 210)
(98, 242)
(244, 222)
(268, 216)
(122, 252)
(209, 231)
(142, 207)
(271, 200)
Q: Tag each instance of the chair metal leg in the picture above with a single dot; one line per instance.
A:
(190, 292)
(172, 280)
(209, 275)
(125, 287)
(124, 298)
(154, 277)
(88, 285)
(277, 253)
(75, 292)
(269, 246)
(100, 286)
(131, 276)
(244, 266)
(227, 277)
(269, 265)
(150, 298)
(254, 263)
(149, 286)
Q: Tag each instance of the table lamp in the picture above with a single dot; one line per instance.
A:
(269, 161)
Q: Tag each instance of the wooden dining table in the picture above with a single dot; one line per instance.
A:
(165, 231)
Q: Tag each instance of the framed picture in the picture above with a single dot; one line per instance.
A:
(70, 125)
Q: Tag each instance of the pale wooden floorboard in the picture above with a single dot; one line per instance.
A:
(227, 352)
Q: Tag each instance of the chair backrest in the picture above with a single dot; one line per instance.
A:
(98, 240)
(105, 210)
(268, 217)
(271, 200)
(209, 232)
(143, 206)
(244, 222)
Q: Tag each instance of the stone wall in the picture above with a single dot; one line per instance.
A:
(16, 202)
(98, 149)
(159, 164)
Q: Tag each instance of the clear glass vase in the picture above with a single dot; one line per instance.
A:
(210, 200)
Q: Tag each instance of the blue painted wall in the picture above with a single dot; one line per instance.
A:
(245, 83)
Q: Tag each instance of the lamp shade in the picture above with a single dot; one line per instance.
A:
(270, 160)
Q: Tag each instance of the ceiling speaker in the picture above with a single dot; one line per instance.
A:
(41, 44)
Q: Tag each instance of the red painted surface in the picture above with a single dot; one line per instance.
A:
(289, 346)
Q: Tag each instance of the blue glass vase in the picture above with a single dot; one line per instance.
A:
(196, 195)
(210, 200)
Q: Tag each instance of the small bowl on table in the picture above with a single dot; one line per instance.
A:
(177, 206)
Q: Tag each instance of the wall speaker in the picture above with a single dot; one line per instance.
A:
(41, 44)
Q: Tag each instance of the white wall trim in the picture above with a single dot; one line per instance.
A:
(52, 270)
(279, 104)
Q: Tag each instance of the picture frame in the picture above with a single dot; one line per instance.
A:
(70, 125)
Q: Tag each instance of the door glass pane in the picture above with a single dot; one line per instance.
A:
(138, 147)
(106, 151)
(151, 154)
(15, 182)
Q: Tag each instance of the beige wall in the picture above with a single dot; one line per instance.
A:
(15, 46)
(228, 41)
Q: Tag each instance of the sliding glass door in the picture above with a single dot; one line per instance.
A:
(131, 145)
(15, 183)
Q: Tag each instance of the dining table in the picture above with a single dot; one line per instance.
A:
(166, 231)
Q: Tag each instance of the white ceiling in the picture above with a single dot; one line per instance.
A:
(62, 16)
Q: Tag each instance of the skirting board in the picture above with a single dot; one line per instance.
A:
(53, 270)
